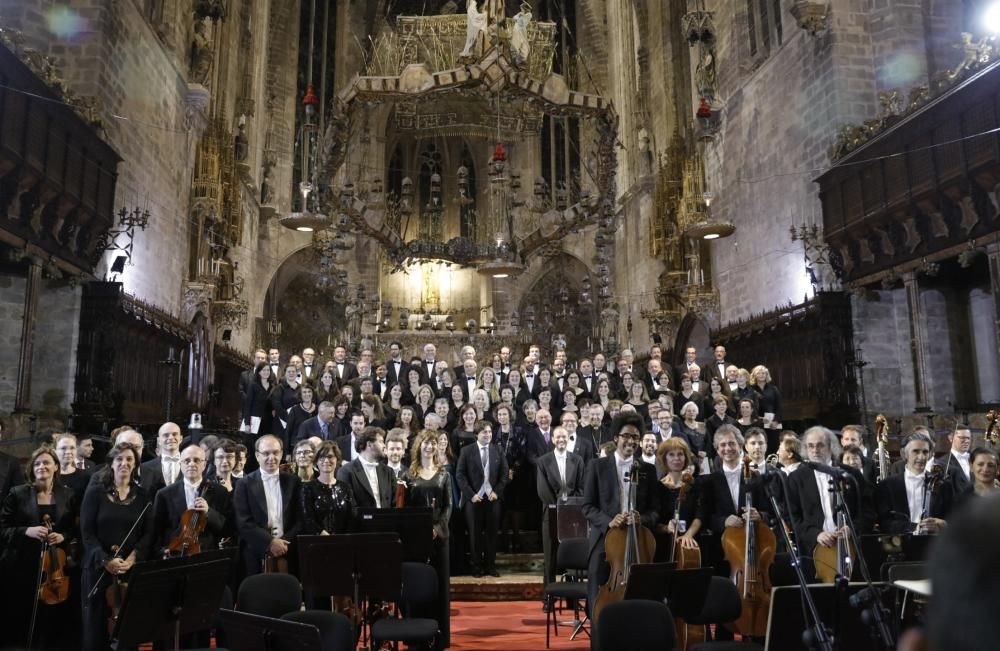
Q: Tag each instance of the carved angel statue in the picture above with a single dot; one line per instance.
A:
(519, 43)
(201, 54)
(477, 25)
(891, 102)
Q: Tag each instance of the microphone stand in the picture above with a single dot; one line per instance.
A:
(818, 635)
(878, 622)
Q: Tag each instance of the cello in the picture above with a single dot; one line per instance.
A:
(750, 551)
(686, 559)
(624, 547)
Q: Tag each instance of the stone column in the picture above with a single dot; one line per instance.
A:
(993, 257)
(22, 399)
(918, 338)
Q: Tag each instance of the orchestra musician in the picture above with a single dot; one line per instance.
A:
(605, 493)
(675, 457)
(266, 506)
(482, 475)
(114, 514)
(22, 536)
(905, 501)
(428, 483)
(193, 493)
(559, 476)
(166, 468)
(371, 482)
(327, 504)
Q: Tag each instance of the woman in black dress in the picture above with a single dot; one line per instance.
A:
(327, 504)
(510, 440)
(114, 514)
(326, 387)
(686, 394)
(69, 475)
(299, 414)
(284, 397)
(465, 433)
(682, 469)
(22, 535)
(769, 404)
(428, 483)
(257, 406)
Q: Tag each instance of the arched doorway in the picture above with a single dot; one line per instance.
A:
(558, 304)
(693, 331)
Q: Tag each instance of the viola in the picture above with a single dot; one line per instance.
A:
(624, 547)
(187, 542)
(54, 586)
(115, 595)
(831, 562)
(750, 551)
(274, 564)
(687, 559)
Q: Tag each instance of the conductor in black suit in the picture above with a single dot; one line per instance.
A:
(482, 475)
(266, 505)
(371, 482)
(905, 502)
(210, 500)
(559, 476)
(604, 495)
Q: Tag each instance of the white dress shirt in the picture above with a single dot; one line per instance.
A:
(733, 480)
(371, 471)
(624, 468)
(171, 469)
(272, 493)
(963, 461)
(190, 492)
(561, 464)
(915, 487)
(825, 500)
(484, 452)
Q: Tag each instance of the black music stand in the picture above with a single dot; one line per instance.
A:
(414, 525)
(172, 597)
(685, 591)
(368, 566)
(785, 622)
(248, 632)
(884, 550)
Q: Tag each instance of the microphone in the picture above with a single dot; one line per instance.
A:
(833, 471)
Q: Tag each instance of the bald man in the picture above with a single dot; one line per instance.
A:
(165, 469)
(210, 500)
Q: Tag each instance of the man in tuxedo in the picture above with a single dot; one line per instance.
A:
(956, 464)
(266, 505)
(854, 435)
(372, 483)
(689, 366)
(467, 378)
(210, 500)
(482, 475)
(588, 379)
(430, 362)
(559, 476)
(559, 373)
(274, 361)
(504, 363)
(535, 354)
(165, 469)
(348, 443)
(811, 497)
(364, 371)
(466, 353)
(380, 383)
(606, 487)
(717, 368)
(320, 425)
(647, 446)
(530, 386)
(395, 453)
(310, 367)
(246, 377)
(901, 499)
(600, 364)
(343, 370)
(396, 366)
(582, 446)
(732, 375)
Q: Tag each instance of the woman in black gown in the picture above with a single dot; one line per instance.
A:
(682, 469)
(327, 507)
(112, 506)
(429, 484)
(22, 534)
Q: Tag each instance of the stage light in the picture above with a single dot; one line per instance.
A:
(991, 18)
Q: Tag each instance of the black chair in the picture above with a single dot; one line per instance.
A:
(572, 556)
(269, 595)
(419, 591)
(722, 605)
(335, 631)
(636, 625)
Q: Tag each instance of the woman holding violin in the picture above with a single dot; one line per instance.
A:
(680, 514)
(116, 528)
(36, 521)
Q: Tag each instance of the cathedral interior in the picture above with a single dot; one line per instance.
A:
(811, 183)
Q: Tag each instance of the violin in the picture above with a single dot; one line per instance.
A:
(991, 436)
(274, 564)
(54, 586)
(750, 551)
(115, 595)
(686, 559)
(187, 542)
(624, 547)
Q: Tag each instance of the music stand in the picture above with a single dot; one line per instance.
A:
(570, 520)
(172, 597)
(885, 550)
(414, 525)
(685, 591)
(785, 623)
(248, 632)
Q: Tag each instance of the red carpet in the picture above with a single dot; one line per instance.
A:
(507, 626)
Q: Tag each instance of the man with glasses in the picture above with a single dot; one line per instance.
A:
(605, 496)
(209, 500)
(582, 446)
(266, 504)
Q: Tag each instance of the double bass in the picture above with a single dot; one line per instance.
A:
(624, 547)
(750, 551)
(686, 559)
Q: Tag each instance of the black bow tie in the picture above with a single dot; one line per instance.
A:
(529, 375)
(586, 377)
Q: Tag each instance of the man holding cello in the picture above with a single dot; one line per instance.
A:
(606, 495)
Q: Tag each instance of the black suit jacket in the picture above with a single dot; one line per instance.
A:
(710, 370)
(347, 451)
(151, 476)
(353, 474)
(469, 471)
(250, 509)
(717, 502)
(10, 474)
(894, 509)
(311, 427)
(535, 445)
(957, 476)
(584, 448)
(170, 504)
(548, 482)
(350, 372)
(602, 496)
(807, 508)
(392, 376)
(246, 379)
